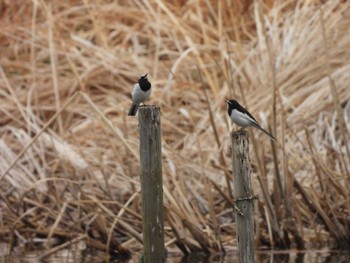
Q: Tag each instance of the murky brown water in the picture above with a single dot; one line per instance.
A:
(85, 255)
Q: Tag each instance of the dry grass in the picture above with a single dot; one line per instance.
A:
(69, 155)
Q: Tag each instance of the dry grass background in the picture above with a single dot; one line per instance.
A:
(69, 154)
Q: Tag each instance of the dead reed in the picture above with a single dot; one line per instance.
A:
(69, 155)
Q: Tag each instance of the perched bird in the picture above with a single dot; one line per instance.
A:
(141, 92)
(243, 118)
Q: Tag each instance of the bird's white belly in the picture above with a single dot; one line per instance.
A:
(241, 119)
(138, 95)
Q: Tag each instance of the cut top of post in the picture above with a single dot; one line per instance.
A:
(149, 112)
(239, 135)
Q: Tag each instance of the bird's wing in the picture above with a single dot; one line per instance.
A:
(240, 108)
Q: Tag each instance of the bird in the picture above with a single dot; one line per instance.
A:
(141, 92)
(243, 118)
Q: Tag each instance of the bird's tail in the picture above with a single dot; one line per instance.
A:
(133, 109)
(264, 131)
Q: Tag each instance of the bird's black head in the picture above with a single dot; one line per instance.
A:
(232, 104)
(144, 83)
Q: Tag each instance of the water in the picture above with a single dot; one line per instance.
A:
(85, 255)
(325, 256)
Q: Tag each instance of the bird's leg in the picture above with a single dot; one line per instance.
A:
(242, 128)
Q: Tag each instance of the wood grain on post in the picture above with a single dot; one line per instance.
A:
(243, 196)
(151, 184)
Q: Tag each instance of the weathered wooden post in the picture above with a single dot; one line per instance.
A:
(151, 184)
(243, 196)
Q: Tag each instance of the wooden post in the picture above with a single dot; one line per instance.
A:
(151, 184)
(243, 196)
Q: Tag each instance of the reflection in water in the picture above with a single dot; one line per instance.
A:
(202, 258)
(311, 256)
(280, 257)
(268, 257)
(76, 254)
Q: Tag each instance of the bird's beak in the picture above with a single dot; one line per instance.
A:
(145, 76)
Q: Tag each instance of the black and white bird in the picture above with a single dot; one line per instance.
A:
(243, 118)
(141, 92)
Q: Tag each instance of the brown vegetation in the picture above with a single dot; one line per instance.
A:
(69, 164)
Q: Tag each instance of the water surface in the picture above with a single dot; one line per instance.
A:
(80, 254)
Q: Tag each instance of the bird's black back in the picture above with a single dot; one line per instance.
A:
(235, 105)
(144, 83)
